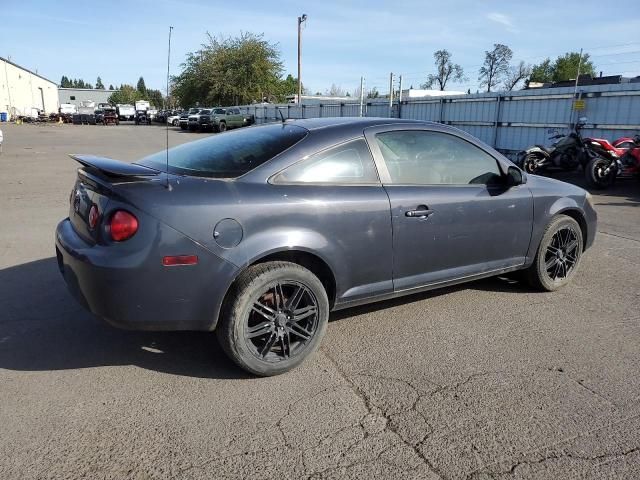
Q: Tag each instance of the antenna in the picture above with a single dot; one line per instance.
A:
(281, 115)
(167, 126)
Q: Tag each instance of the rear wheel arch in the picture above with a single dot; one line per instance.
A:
(312, 262)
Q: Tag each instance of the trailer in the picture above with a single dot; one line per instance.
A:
(126, 111)
(86, 113)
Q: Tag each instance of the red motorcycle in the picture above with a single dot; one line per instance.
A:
(618, 159)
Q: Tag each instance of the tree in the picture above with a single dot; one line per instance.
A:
(230, 71)
(515, 75)
(542, 72)
(65, 82)
(141, 87)
(126, 94)
(99, 85)
(564, 68)
(495, 67)
(446, 70)
(373, 93)
(335, 91)
(111, 87)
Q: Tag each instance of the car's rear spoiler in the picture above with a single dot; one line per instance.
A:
(115, 168)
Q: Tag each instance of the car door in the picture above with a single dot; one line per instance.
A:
(337, 193)
(233, 117)
(453, 214)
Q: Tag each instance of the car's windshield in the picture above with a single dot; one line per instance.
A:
(228, 155)
(219, 111)
(205, 111)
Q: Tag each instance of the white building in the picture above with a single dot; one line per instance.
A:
(23, 92)
(421, 93)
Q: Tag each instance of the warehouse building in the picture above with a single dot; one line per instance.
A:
(23, 92)
(76, 96)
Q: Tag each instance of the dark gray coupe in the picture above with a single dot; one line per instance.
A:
(259, 233)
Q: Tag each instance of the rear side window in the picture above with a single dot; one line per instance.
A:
(348, 163)
(228, 155)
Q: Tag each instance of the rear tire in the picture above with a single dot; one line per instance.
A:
(595, 176)
(274, 318)
(530, 163)
(558, 255)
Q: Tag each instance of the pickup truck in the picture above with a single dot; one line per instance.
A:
(183, 121)
(200, 121)
(224, 118)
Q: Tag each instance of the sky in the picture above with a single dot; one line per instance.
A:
(341, 41)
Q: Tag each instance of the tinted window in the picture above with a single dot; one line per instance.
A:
(205, 112)
(348, 163)
(433, 158)
(219, 111)
(229, 155)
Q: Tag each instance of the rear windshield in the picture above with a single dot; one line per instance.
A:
(230, 154)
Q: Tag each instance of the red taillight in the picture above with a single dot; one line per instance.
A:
(123, 225)
(172, 261)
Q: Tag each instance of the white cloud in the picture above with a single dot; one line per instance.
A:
(503, 20)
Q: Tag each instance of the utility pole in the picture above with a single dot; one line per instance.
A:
(400, 99)
(390, 93)
(301, 20)
(361, 94)
(575, 89)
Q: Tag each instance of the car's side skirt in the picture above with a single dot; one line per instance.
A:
(423, 288)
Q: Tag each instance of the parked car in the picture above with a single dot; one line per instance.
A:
(225, 118)
(200, 121)
(173, 119)
(142, 117)
(184, 118)
(259, 233)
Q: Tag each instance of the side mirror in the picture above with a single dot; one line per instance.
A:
(515, 177)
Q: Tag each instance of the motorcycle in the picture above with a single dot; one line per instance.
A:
(567, 153)
(618, 159)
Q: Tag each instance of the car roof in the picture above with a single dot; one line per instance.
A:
(361, 122)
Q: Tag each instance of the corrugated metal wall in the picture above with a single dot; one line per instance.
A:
(509, 121)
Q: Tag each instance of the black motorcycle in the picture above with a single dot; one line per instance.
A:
(567, 153)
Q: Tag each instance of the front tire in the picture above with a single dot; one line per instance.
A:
(558, 255)
(275, 317)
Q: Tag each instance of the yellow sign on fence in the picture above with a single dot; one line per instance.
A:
(579, 104)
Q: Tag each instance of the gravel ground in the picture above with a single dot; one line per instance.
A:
(485, 380)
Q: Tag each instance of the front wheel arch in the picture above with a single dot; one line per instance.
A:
(578, 217)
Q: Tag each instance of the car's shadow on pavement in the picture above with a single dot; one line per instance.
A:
(43, 328)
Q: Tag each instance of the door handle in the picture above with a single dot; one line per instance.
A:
(421, 212)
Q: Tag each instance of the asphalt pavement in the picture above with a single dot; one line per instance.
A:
(486, 380)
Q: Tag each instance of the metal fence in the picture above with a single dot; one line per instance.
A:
(509, 121)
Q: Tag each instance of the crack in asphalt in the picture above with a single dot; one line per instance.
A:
(390, 426)
(619, 236)
(375, 409)
(561, 456)
(513, 467)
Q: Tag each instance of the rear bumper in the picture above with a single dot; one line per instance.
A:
(132, 290)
